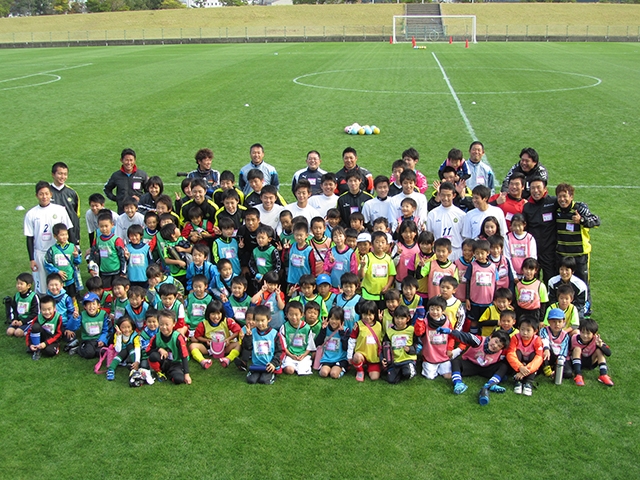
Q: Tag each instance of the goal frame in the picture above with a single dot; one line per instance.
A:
(472, 17)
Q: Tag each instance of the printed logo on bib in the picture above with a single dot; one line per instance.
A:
(371, 340)
(48, 327)
(228, 253)
(261, 262)
(519, 251)
(23, 308)
(312, 181)
(354, 209)
(137, 259)
(262, 347)
(483, 279)
(339, 266)
(298, 340)
(437, 276)
(240, 312)
(332, 345)
(502, 272)
(527, 295)
(508, 216)
(547, 217)
(297, 260)
(479, 180)
(136, 185)
(437, 338)
(570, 227)
(555, 348)
(197, 309)
(104, 252)
(61, 260)
(93, 329)
(400, 341)
(379, 270)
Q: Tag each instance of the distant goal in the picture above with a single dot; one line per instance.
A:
(434, 28)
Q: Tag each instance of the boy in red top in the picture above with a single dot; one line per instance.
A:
(525, 355)
(587, 349)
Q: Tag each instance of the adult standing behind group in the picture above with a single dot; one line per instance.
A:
(480, 172)
(66, 196)
(128, 182)
(511, 201)
(539, 213)
(530, 166)
(257, 161)
(204, 158)
(38, 228)
(350, 161)
(313, 173)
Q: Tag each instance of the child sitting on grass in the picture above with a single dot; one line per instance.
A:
(127, 346)
(94, 328)
(587, 351)
(168, 352)
(217, 334)
(25, 305)
(555, 343)
(525, 355)
(266, 348)
(483, 357)
(298, 341)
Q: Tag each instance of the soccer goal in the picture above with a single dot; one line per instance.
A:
(434, 28)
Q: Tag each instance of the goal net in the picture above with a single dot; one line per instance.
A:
(434, 28)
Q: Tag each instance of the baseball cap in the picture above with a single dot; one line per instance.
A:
(555, 314)
(90, 297)
(364, 237)
(323, 278)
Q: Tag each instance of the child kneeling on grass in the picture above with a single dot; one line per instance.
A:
(334, 340)
(168, 354)
(587, 351)
(401, 338)
(266, 347)
(364, 343)
(483, 357)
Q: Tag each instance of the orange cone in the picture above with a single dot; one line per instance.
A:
(391, 40)
(413, 42)
(466, 44)
(450, 40)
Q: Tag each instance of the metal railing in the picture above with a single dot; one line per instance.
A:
(618, 33)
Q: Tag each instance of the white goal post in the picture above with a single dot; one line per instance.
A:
(434, 28)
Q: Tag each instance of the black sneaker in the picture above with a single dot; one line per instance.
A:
(72, 344)
(240, 364)
(73, 350)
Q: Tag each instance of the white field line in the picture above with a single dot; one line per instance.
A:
(456, 99)
(48, 73)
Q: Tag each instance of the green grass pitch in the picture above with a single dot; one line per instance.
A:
(577, 104)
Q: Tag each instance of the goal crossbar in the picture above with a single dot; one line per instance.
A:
(433, 27)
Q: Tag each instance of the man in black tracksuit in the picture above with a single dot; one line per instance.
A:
(352, 200)
(539, 213)
(128, 182)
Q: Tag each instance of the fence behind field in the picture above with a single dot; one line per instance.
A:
(344, 33)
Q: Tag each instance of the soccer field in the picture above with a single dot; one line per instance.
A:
(576, 104)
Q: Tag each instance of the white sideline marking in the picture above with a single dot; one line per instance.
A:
(456, 99)
(46, 73)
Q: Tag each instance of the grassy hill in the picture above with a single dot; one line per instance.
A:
(324, 15)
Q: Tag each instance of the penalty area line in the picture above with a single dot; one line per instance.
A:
(456, 99)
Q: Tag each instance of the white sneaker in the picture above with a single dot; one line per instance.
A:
(517, 388)
(527, 389)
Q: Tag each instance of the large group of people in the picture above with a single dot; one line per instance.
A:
(375, 274)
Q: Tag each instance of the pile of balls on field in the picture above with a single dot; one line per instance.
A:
(357, 129)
